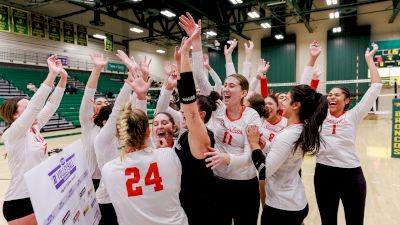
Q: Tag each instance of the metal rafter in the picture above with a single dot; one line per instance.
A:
(396, 10)
(298, 7)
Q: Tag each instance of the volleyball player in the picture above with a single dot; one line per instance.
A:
(338, 173)
(87, 116)
(25, 146)
(286, 201)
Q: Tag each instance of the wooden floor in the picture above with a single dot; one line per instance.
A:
(381, 172)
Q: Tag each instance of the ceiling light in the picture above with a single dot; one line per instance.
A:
(136, 0)
(266, 25)
(279, 36)
(236, 1)
(337, 30)
(160, 51)
(253, 14)
(211, 33)
(334, 15)
(99, 36)
(168, 13)
(136, 30)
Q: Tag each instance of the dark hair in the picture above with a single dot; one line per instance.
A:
(244, 83)
(274, 98)
(346, 93)
(256, 101)
(208, 104)
(103, 114)
(313, 111)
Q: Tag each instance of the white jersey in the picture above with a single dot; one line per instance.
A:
(25, 146)
(284, 188)
(89, 131)
(144, 187)
(231, 137)
(269, 131)
(338, 147)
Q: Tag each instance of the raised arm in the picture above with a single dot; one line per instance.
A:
(369, 98)
(262, 70)
(199, 140)
(19, 127)
(248, 48)
(314, 52)
(229, 66)
(54, 101)
(86, 110)
(315, 78)
(214, 75)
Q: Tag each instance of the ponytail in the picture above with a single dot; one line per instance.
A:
(313, 111)
(208, 104)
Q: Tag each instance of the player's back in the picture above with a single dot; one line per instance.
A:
(144, 187)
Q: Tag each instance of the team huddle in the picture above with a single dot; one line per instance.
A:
(209, 158)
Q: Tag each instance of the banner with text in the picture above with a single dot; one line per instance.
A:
(38, 26)
(396, 128)
(69, 32)
(61, 189)
(109, 42)
(116, 67)
(20, 21)
(54, 29)
(4, 18)
(82, 35)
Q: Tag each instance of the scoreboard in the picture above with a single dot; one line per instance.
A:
(388, 58)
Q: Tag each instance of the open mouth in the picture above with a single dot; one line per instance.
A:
(332, 103)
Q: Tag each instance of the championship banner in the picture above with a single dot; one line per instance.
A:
(109, 42)
(69, 32)
(54, 29)
(61, 189)
(4, 19)
(82, 35)
(38, 27)
(20, 21)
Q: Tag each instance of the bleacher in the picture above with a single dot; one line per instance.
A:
(70, 104)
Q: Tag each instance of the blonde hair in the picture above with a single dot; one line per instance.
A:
(132, 128)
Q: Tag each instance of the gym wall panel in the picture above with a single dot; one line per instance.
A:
(281, 54)
(345, 53)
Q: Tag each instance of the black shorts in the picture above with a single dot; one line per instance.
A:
(16, 209)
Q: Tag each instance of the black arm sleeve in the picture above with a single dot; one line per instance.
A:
(187, 88)
(259, 162)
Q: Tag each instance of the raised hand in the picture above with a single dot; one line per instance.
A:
(99, 60)
(188, 24)
(369, 55)
(144, 65)
(172, 81)
(130, 63)
(317, 72)
(140, 86)
(262, 68)
(232, 46)
(253, 136)
(168, 68)
(315, 49)
(54, 64)
(248, 48)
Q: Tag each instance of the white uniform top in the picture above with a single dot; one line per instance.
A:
(144, 187)
(338, 147)
(89, 131)
(231, 137)
(269, 130)
(284, 188)
(23, 142)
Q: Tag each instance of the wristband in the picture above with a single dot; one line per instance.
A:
(258, 158)
(186, 88)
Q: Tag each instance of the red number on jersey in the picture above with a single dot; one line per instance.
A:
(227, 139)
(334, 129)
(135, 179)
(152, 171)
(271, 136)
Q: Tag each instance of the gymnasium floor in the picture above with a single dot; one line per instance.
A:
(381, 172)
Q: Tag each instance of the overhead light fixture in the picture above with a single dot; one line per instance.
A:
(136, 30)
(99, 36)
(136, 0)
(253, 14)
(279, 36)
(160, 51)
(211, 33)
(168, 13)
(337, 30)
(236, 1)
(266, 25)
(334, 15)
(331, 2)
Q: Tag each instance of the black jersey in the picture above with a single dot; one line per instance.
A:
(197, 184)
